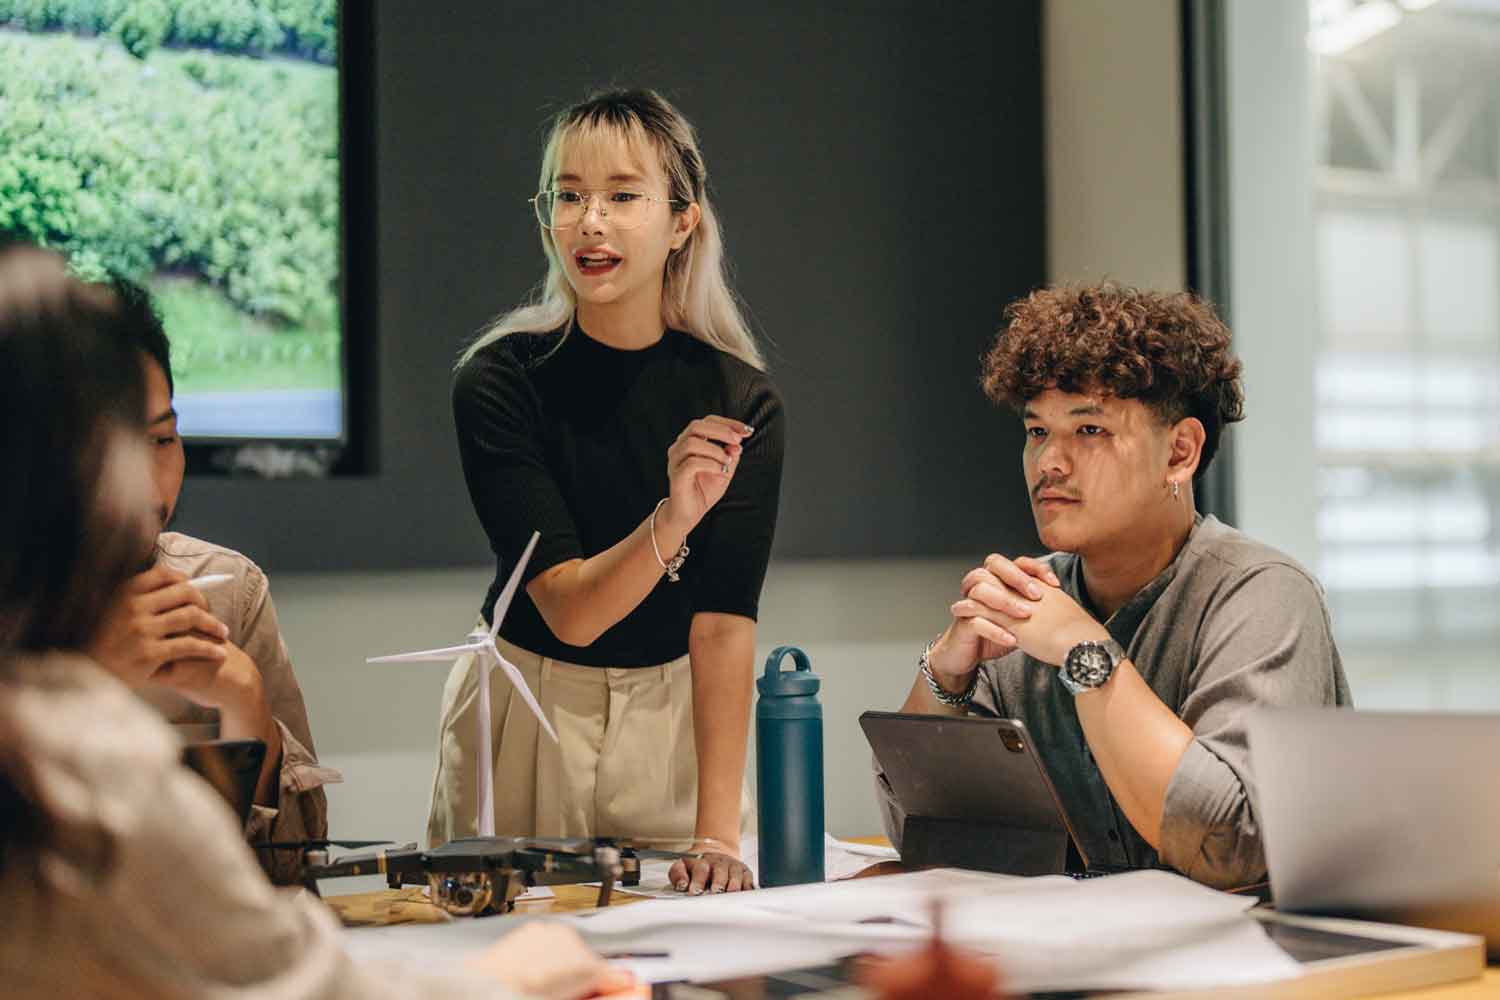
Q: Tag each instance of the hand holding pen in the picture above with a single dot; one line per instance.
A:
(162, 634)
(160, 618)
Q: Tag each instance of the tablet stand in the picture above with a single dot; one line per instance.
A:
(931, 842)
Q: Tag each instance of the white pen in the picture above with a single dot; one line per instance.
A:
(211, 580)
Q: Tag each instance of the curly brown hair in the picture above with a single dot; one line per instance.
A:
(1169, 350)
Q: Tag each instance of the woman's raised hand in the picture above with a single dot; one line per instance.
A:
(700, 465)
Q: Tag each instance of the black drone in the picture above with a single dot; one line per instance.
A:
(476, 876)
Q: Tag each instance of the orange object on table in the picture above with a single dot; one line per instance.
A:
(937, 970)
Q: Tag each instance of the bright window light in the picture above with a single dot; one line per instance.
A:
(1354, 27)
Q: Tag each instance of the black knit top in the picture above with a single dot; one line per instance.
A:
(567, 436)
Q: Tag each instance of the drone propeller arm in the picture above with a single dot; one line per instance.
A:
(314, 843)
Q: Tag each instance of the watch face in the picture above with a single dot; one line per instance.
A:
(1089, 664)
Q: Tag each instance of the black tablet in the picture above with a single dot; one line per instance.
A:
(231, 766)
(974, 792)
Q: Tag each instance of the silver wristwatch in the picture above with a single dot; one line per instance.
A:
(1089, 664)
(941, 693)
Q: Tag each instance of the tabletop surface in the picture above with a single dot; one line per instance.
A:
(410, 905)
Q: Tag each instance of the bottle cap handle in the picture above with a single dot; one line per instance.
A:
(773, 662)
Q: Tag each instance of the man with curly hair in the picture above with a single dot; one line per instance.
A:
(1135, 651)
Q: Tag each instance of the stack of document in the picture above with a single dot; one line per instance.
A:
(1140, 930)
(1146, 930)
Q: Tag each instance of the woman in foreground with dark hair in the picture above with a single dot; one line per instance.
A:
(121, 872)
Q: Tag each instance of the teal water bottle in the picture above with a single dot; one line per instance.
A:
(789, 771)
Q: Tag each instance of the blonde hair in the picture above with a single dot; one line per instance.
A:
(696, 297)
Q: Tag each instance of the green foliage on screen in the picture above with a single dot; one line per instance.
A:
(142, 26)
(306, 28)
(189, 168)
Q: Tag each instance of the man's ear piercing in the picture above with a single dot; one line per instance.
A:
(1176, 488)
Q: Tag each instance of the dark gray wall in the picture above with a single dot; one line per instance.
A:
(878, 169)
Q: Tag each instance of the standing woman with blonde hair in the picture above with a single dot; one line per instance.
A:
(625, 415)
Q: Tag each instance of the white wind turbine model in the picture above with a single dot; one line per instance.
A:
(482, 645)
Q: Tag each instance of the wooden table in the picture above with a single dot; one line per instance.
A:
(388, 907)
(401, 906)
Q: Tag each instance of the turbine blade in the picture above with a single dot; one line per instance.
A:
(502, 603)
(424, 655)
(514, 674)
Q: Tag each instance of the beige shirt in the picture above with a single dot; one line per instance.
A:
(244, 605)
(137, 883)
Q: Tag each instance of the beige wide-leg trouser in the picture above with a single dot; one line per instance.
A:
(625, 764)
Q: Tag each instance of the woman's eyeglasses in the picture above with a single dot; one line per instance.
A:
(563, 209)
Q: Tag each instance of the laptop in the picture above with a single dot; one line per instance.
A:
(1389, 817)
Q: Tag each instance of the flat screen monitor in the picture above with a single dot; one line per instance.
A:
(197, 148)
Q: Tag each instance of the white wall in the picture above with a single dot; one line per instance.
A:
(1115, 202)
(1272, 283)
(1113, 92)
(862, 624)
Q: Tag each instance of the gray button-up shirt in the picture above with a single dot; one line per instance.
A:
(1229, 625)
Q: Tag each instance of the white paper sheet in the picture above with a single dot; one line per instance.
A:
(1141, 930)
(535, 893)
